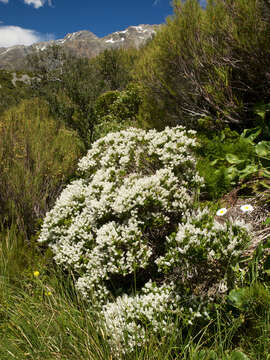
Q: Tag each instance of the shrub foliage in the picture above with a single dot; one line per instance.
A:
(208, 63)
(128, 229)
(37, 155)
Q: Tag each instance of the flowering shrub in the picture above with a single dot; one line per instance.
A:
(127, 317)
(128, 230)
(201, 242)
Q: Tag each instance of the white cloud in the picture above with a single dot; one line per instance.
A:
(15, 35)
(36, 3)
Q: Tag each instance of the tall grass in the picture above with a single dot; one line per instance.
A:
(44, 318)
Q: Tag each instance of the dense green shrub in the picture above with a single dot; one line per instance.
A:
(208, 63)
(117, 110)
(37, 156)
(213, 162)
(71, 86)
(11, 95)
(115, 67)
(229, 159)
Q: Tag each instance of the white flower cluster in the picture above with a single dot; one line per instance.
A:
(138, 151)
(132, 181)
(126, 319)
(130, 219)
(201, 240)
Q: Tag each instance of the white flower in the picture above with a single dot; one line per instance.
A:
(221, 212)
(246, 208)
(136, 187)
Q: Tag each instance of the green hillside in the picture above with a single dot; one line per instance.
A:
(135, 192)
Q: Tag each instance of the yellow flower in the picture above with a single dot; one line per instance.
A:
(36, 273)
(49, 293)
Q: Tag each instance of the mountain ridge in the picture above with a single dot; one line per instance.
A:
(82, 43)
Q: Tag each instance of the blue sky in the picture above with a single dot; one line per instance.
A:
(28, 21)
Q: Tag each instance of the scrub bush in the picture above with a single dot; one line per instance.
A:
(117, 110)
(129, 231)
(209, 64)
(37, 156)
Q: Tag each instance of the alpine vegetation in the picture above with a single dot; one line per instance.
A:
(129, 231)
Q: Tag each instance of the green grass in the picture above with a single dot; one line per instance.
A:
(44, 318)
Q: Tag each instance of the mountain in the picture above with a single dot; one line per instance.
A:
(82, 44)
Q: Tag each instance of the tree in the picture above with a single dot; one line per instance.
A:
(71, 86)
(115, 66)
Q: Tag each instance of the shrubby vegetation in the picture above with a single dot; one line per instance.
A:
(63, 81)
(210, 64)
(128, 225)
(138, 260)
(116, 110)
(37, 156)
(230, 159)
(116, 66)
(66, 89)
(10, 94)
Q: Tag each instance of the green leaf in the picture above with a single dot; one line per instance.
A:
(237, 298)
(222, 136)
(263, 148)
(251, 134)
(206, 354)
(212, 163)
(265, 185)
(261, 110)
(266, 245)
(233, 159)
(267, 222)
(249, 169)
(232, 173)
(266, 174)
(238, 355)
(261, 114)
